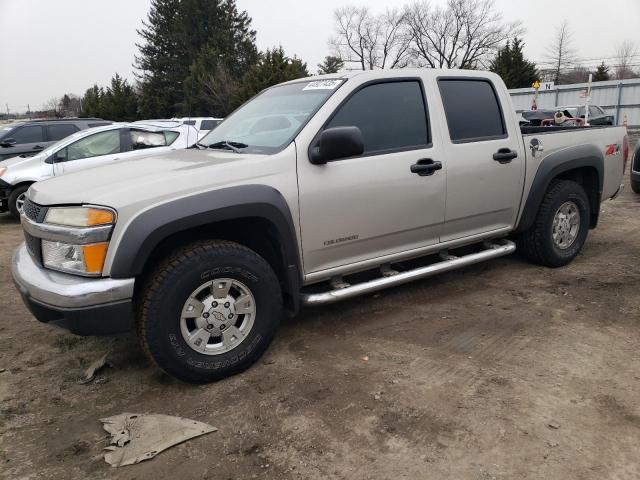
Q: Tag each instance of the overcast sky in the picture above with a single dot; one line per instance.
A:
(52, 47)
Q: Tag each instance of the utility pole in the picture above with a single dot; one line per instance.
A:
(7, 110)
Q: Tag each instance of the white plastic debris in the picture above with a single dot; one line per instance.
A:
(138, 437)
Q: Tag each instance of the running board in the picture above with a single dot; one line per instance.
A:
(493, 250)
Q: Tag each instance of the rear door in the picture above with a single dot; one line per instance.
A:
(363, 208)
(93, 150)
(484, 159)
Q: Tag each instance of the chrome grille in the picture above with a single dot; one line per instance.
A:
(33, 211)
(34, 246)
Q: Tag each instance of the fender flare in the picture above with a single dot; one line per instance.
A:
(555, 164)
(146, 230)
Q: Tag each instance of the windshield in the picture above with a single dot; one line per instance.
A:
(5, 129)
(269, 121)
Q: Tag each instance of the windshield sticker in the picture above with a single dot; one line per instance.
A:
(323, 85)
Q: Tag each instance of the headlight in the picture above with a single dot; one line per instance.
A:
(81, 247)
(79, 216)
(79, 259)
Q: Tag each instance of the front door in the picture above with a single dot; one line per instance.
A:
(366, 207)
(96, 149)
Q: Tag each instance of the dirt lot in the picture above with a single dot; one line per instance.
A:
(465, 373)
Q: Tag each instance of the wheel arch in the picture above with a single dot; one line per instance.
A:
(256, 216)
(583, 164)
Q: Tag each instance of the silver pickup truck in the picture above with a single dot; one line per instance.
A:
(316, 190)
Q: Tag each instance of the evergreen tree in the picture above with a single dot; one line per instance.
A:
(602, 73)
(184, 41)
(513, 68)
(119, 102)
(330, 64)
(91, 106)
(272, 67)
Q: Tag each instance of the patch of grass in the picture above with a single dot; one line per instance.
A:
(64, 343)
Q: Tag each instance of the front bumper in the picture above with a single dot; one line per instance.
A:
(86, 306)
(5, 191)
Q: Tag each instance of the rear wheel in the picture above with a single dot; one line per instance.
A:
(209, 311)
(16, 200)
(560, 228)
(635, 185)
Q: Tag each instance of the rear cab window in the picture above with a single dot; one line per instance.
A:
(472, 110)
(391, 115)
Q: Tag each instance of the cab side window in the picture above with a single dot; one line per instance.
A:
(141, 139)
(103, 143)
(392, 116)
(472, 110)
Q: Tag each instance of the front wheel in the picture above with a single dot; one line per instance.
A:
(16, 200)
(560, 228)
(209, 311)
(635, 185)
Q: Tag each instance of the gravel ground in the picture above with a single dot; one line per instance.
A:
(499, 371)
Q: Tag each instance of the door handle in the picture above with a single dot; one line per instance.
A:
(504, 155)
(38, 147)
(426, 167)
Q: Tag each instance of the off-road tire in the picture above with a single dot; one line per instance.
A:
(536, 244)
(13, 197)
(166, 289)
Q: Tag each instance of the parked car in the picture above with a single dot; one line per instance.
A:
(597, 116)
(87, 149)
(316, 190)
(203, 124)
(32, 136)
(635, 169)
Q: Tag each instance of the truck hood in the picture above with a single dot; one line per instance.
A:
(149, 179)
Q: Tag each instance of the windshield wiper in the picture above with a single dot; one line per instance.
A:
(229, 145)
(198, 145)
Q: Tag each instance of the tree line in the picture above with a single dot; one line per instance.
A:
(199, 57)
(468, 34)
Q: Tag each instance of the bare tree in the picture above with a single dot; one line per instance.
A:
(369, 40)
(560, 53)
(626, 51)
(220, 89)
(463, 34)
(51, 107)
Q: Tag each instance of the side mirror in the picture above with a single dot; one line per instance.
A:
(59, 156)
(8, 142)
(335, 143)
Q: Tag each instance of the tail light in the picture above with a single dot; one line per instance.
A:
(625, 152)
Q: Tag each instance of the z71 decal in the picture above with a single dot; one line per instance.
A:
(612, 149)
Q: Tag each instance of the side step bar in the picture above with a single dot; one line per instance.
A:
(495, 249)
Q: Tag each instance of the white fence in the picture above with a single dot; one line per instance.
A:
(620, 98)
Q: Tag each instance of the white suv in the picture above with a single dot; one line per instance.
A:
(203, 124)
(86, 149)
